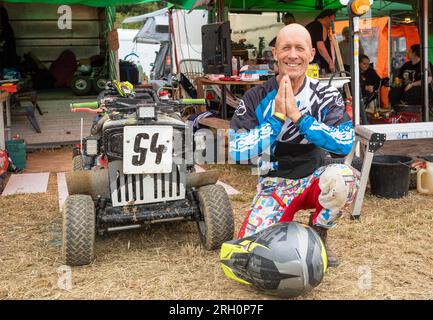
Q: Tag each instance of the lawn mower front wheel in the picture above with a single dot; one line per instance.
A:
(78, 230)
(216, 225)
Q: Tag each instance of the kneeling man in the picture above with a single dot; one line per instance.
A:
(296, 120)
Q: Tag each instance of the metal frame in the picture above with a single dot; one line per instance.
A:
(373, 137)
(111, 218)
(5, 105)
(424, 62)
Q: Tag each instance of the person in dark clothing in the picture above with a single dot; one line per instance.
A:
(288, 18)
(370, 80)
(410, 91)
(345, 48)
(318, 30)
(288, 123)
(8, 51)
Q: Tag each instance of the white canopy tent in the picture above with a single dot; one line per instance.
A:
(155, 29)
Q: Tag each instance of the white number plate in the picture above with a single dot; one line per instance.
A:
(147, 149)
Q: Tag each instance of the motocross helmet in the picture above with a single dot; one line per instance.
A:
(286, 259)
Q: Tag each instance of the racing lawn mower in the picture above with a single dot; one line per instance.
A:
(137, 167)
(90, 77)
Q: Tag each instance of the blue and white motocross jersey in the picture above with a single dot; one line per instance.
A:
(255, 128)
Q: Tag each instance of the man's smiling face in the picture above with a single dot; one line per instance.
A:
(293, 51)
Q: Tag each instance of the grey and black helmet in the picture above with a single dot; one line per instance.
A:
(287, 259)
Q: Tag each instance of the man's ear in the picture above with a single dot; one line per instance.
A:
(313, 53)
(274, 54)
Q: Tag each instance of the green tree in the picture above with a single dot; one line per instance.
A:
(123, 12)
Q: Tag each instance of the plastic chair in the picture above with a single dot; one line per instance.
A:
(192, 69)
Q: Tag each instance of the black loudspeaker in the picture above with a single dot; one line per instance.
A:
(128, 72)
(216, 50)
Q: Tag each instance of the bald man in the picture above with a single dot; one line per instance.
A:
(293, 121)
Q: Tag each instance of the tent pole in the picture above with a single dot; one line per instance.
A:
(389, 50)
(220, 11)
(424, 55)
(113, 58)
(173, 40)
(354, 48)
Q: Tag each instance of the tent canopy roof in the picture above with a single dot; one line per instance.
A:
(91, 3)
(269, 5)
(290, 5)
(155, 29)
(264, 5)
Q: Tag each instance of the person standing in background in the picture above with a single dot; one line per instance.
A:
(8, 50)
(319, 32)
(345, 49)
(288, 18)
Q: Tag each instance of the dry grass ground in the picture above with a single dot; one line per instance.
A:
(392, 242)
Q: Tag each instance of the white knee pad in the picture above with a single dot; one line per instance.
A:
(334, 189)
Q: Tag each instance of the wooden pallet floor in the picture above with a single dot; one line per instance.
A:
(59, 126)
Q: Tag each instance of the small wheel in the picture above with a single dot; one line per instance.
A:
(216, 225)
(99, 84)
(81, 85)
(77, 163)
(78, 230)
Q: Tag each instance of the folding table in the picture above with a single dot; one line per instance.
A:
(372, 138)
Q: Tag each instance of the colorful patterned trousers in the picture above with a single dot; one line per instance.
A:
(328, 190)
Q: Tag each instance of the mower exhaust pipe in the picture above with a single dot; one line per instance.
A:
(89, 182)
(200, 179)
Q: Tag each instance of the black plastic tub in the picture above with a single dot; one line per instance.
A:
(390, 176)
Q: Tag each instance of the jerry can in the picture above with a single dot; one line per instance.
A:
(425, 177)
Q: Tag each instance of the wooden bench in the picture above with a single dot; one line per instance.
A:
(216, 123)
(220, 129)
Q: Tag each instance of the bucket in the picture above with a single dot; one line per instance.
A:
(390, 176)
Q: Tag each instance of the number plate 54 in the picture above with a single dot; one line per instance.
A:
(147, 149)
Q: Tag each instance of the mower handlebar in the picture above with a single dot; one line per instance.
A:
(96, 107)
(87, 105)
(192, 101)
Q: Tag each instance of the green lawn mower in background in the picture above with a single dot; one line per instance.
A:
(89, 78)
